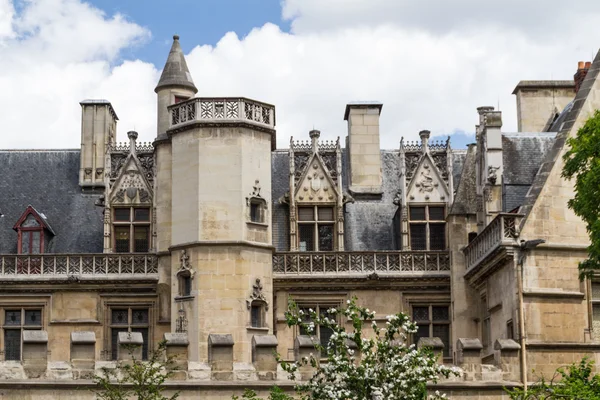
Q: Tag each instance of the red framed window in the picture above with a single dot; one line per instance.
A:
(32, 232)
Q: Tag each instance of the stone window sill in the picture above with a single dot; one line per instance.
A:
(257, 224)
(256, 329)
(184, 298)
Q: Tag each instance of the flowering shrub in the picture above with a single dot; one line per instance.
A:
(357, 367)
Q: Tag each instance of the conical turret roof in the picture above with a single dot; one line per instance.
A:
(176, 72)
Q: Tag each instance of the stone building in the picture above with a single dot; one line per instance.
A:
(203, 236)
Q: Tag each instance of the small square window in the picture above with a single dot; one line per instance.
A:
(417, 213)
(33, 317)
(141, 214)
(306, 214)
(436, 214)
(12, 317)
(122, 214)
(325, 213)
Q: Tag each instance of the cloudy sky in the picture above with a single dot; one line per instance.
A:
(431, 62)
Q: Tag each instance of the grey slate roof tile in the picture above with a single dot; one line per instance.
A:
(48, 180)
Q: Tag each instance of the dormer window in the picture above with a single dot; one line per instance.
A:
(33, 232)
(316, 227)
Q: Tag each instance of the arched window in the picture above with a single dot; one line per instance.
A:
(184, 278)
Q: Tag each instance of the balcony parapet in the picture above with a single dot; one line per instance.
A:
(82, 266)
(395, 263)
(501, 232)
(223, 110)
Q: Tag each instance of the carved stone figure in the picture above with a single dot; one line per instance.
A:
(425, 181)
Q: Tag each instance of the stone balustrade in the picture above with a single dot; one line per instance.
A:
(502, 231)
(392, 262)
(63, 266)
(222, 110)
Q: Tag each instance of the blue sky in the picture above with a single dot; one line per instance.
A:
(431, 63)
(196, 21)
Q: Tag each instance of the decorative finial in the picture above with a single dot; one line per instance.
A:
(132, 135)
(175, 37)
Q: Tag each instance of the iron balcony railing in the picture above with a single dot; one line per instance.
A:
(393, 262)
(219, 110)
(82, 265)
(501, 231)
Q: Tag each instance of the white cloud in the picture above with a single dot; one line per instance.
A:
(430, 63)
(57, 53)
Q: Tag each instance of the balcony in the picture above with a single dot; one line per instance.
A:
(383, 263)
(77, 267)
(222, 110)
(500, 235)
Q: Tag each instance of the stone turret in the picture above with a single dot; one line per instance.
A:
(175, 85)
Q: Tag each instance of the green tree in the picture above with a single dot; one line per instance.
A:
(143, 380)
(358, 366)
(582, 162)
(576, 382)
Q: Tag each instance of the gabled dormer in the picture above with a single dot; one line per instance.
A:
(34, 232)
(315, 197)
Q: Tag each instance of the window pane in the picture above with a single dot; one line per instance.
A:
(305, 319)
(144, 332)
(325, 213)
(30, 222)
(440, 313)
(255, 212)
(122, 239)
(325, 237)
(420, 314)
(324, 335)
(139, 317)
(417, 237)
(25, 242)
(255, 313)
(436, 214)
(12, 317)
(122, 214)
(596, 291)
(443, 332)
(115, 340)
(35, 242)
(119, 317)
(306, 214)
(417, 213)
(12, 344)
(141, 214)
(140, 239)
(422, 332)
(187, 286)
(437, 236)
(33, 317)
(306, 234)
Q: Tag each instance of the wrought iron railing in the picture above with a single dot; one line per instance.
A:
(230, 109)
(503, 230)
(394, 262)
(83, 265)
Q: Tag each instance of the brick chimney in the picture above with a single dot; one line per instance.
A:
(582, 70)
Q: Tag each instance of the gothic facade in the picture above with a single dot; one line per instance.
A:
(203, 236)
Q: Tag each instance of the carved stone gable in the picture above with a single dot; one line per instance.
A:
(316, 185)
(131, 186)
(427, 184)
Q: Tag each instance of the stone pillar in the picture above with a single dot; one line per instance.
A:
(468, 357)
(83, 353)
(304, 347)
(177, 351)
(435, 344)
(130, 346)
(508, 358)
(35, 353)
(363, 147)
(220, 356)
(264, 348)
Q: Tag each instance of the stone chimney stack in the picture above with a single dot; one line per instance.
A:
(363, 147)
(582, 70)
(98, 131)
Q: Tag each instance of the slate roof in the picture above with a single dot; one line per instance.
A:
(368, 222)
(561, 137)
(464, 200)
(48, 180)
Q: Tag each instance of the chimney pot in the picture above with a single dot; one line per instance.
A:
(580, 65)
(588, 64)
